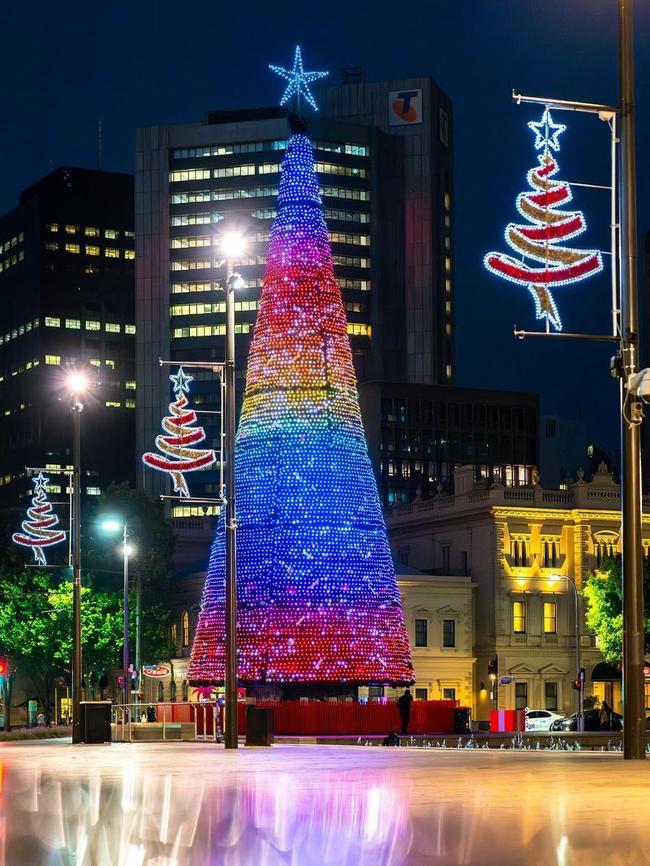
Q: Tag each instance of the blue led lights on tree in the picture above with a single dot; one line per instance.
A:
(547, 228)
(317, 595)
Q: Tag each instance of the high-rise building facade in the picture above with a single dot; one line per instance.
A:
(67, 266)
(387, 197)
(419, 435)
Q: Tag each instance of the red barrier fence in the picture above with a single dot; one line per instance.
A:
(292, 718)
(507, 720)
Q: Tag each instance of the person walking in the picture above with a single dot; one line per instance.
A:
(605, 717)
(404, 707)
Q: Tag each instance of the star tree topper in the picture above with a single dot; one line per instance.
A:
(299, 81)
(181, 382)
(546, 132)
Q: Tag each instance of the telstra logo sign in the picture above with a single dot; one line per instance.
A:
(404, 107)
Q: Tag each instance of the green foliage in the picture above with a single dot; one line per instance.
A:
(604, 614)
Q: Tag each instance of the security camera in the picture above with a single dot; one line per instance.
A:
(638, 385)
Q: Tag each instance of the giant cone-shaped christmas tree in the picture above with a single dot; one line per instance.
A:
(317, 596)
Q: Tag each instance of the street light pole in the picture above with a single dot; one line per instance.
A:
(125, 657)
(77, 407)
(631, 414)
(231, 739)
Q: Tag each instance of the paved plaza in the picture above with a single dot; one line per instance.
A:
(297, 805)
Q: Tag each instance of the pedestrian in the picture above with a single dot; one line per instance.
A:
(40, 720)
(605, 716)
(391, 740)
(404, 707)
(151, 713)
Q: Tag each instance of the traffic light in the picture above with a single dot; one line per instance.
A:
(493, 667)
(576, 685)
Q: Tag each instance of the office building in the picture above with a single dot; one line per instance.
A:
(67, 272)
(387, 198)
(419, 434)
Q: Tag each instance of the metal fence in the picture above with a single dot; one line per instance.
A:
(165, 721)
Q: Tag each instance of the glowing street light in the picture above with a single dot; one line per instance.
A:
(233, 244)
(112, 525)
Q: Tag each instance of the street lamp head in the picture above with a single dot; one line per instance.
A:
(236, 281)
(128, 549)
(233, 244)
(77, 383)
(111, 524)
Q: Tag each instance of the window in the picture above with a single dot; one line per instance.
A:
(71, 230)
(72, 248)
(449, 632)
(174, 633)
(113, 327)
(344, 192)
(130, 385)
(189, 174)
(111, 233)
(519, 617)
(449, 694)
(420, 632)
(550, 696)
(53, 359)
(129, 404)
(113, 404)
(443, 127)
(111, 253)
(52, 322)
(521, 696)
(358, 329)
(268, 168)
(93, 491)
(231, 171)
(343, 170)
(129, 254)
(92, 325)
(91, 232)
(445, 551)
(129, 234)
(94, 362)
(129, 329)
(52, 227)
(550, 617)
(51, 246)
(185, 625)
(421, 694)
(91, 250)
(73, 323)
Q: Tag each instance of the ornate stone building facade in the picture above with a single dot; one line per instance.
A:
(526, 548)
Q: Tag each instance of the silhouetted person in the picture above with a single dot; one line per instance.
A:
(404, 707)
(605, 717)
(391, 740)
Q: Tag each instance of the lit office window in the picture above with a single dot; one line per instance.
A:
(52, 322)
(519, 617)
(72, 248)
(358, 329)
(113, 404)
(92, 250)
(93, 491)
(92, 325)
(129, 234)
(73, 323)
(51, 246)
(189, 174)
(129, 254)
(52, 227)
(112, 234)
(268, 168)
(53, 359)
(71, 230)
(342, 170)
(130, 385)
(111, 253)
(113, 328)
(110, 363)
(550, 617)
(232, 171)
(129, 329)
(94, 362)
(91, 232)
(129, 404)
(344, 238)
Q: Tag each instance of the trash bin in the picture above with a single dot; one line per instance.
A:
(95, 721)
(461, 720)
(259, 726)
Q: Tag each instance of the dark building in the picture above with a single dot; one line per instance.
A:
(419, 434)
(387, 199)
(67, 270)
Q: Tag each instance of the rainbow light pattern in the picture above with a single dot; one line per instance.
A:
(38, 529)
(178, 456)
(317, 596)
(547, 228)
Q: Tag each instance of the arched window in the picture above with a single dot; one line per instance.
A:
(174, 633)
(186, 690)
(185, 625)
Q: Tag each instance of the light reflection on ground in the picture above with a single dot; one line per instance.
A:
(195, 805)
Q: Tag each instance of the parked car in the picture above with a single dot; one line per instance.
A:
(592, 723)
(541, 720)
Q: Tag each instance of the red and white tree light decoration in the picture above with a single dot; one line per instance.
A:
(178, 454)
(38, 528)
(548, 227)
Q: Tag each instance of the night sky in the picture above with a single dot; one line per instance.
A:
(65, 65)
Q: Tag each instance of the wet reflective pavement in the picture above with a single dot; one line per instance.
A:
(197, 805)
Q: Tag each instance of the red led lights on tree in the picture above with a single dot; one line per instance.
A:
(178, 454)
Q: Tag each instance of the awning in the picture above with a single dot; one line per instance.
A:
(605, 673)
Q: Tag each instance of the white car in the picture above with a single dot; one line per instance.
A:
(541, 720)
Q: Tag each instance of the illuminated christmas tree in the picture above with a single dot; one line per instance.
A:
(178, 454)
(38, 529)
(547, 228)
(317, 596)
